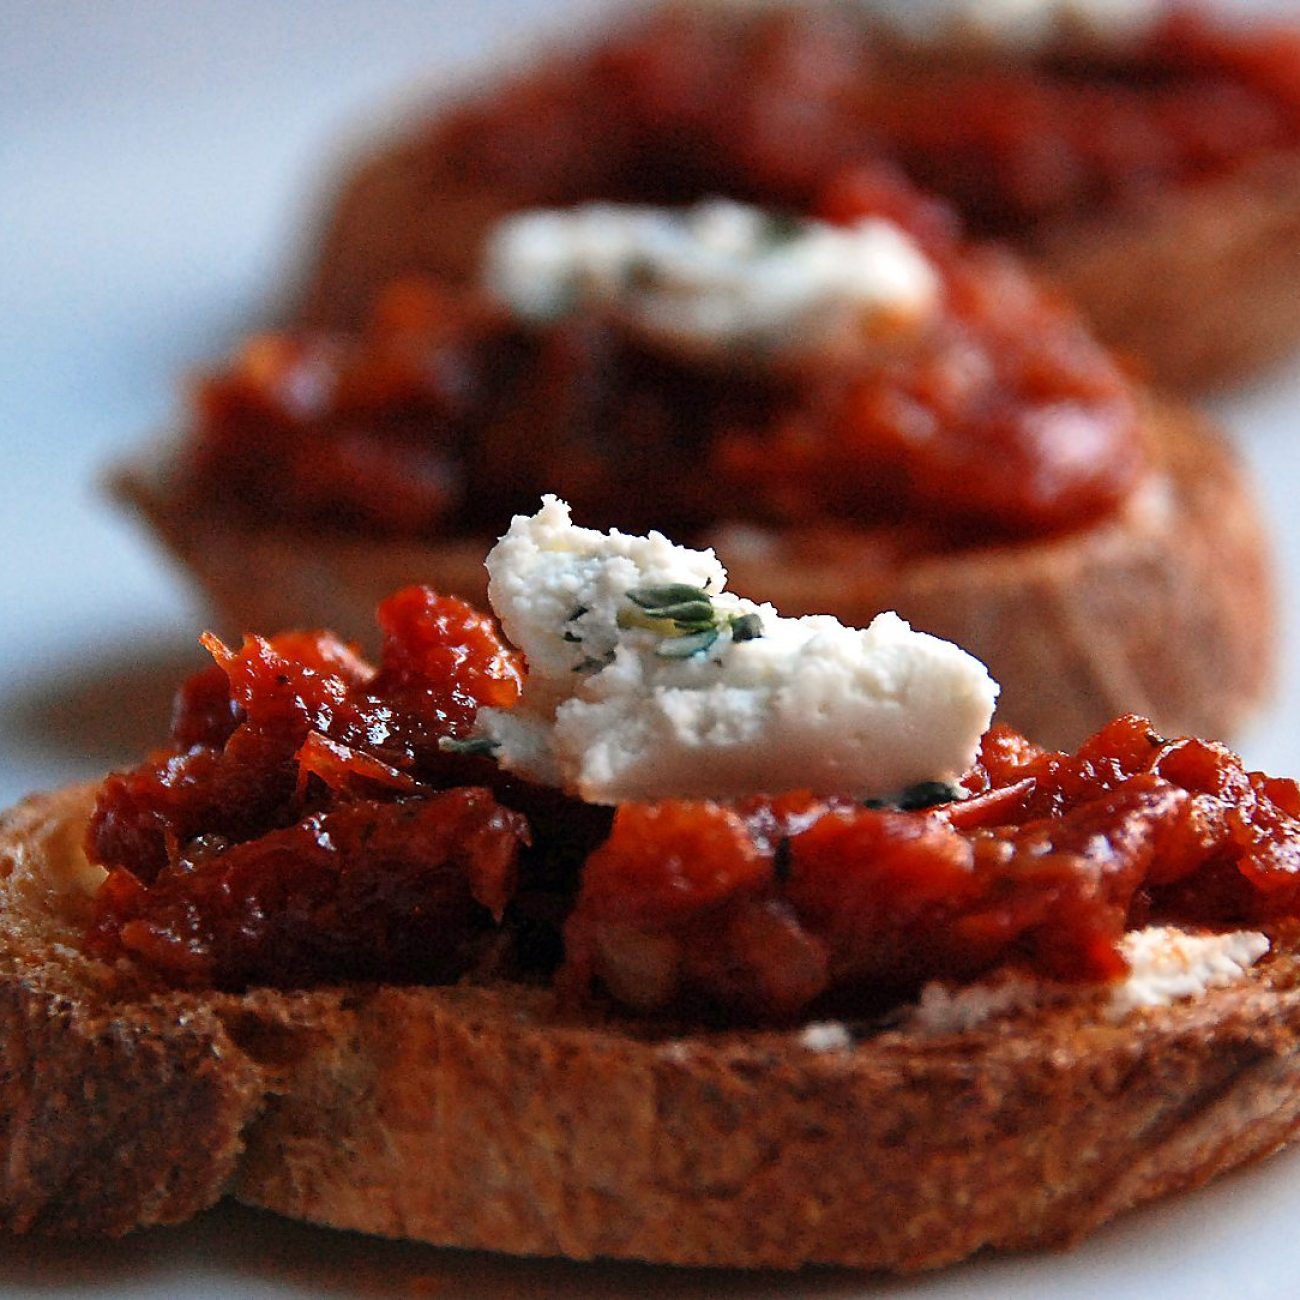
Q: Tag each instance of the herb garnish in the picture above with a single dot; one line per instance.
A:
(686, 618)
(924, 794)
(569, 634)
(781, 228)
(589, 663)
(592, 663)
(469, 746)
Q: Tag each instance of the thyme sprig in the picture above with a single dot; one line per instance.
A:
(588, 663)
(594, 663)
(686, 618)
(781, 228)
(468, 745)
(570, 633)
(924, 794)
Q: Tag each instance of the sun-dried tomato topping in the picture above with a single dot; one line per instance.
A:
(1020, 142)
(368, 890)
(301, 715)
(1004, 420)
(1046, 865)
(362, 433)
(307, 825)
(1012, 141)
(999, 417)
(292, 831)
(767, 109)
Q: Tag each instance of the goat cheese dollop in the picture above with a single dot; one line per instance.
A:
(647, 680)
(716, 275)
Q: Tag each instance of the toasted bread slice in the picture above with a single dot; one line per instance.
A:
(1198, 283)
(1165, 609)
(1200, 286)
(486, 1117)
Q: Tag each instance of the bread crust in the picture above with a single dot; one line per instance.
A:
(1166, 610)
(120, 1106)
(488, 1118)
(1199, 285)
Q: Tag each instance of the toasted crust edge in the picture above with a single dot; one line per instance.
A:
(489, 1118)
(113, 1114)
(1200, 286)
(1165, 610)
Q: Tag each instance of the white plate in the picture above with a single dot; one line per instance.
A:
(156, 160)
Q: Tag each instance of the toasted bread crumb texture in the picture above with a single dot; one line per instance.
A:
(113, 1114)
(484, 1117)
(486, 1124)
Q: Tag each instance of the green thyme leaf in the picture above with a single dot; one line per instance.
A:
(686, 618)
(635, 617)
(569, 634)
(683, 647)
(674, 593)
(468, 745)
(594, 663)
(781, 228)
(924, 794)
(689, 612)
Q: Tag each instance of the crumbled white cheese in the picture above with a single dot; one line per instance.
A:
(717, 275)
(1018, 24)
(955, 1008)
(826, 1036)
(1166, 965)
(808, 703)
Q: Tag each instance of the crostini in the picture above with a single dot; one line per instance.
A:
(1145, 156)
(861, 410)
(841, 982)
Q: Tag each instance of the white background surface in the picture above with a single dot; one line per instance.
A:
(156, 162)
